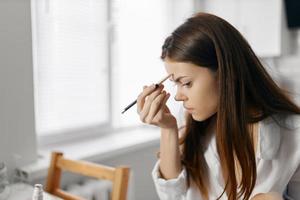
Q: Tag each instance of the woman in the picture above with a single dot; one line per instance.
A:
(242, 131)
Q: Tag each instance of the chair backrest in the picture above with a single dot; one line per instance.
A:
(119, 176)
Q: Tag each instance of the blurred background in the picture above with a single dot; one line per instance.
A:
(69, 67)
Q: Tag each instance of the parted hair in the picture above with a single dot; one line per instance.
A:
(244, 86)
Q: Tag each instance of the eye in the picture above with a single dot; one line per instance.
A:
(188, 84)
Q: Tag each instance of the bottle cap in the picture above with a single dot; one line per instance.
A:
(37, 192)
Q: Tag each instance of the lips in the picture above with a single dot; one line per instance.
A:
(188, 109)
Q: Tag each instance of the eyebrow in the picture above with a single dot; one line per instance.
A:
(178, 78)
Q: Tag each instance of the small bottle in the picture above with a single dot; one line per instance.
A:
(4, 184)
(37, 192)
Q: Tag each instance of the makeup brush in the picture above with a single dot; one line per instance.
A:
(156, 86)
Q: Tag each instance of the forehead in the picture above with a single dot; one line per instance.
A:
(181, 68)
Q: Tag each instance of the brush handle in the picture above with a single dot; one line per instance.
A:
(134, 102)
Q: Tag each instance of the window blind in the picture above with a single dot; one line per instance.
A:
(70, 49)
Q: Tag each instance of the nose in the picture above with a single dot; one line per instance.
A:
(180, 96)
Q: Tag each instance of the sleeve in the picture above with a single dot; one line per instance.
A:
(172, 189)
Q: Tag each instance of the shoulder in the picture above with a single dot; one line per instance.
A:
(278, 155)
(292, 122)
(278, 132)
(290, 134)
(280, 121)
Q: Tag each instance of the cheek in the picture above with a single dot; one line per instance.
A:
(206, 106)
(206, 98)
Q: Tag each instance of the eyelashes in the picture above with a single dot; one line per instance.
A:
(187, 84)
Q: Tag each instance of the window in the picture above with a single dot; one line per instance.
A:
(92, 57)
(71, 64)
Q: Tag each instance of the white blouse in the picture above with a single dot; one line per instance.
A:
(277, 158)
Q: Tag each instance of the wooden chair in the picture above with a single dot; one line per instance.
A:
(119, 176)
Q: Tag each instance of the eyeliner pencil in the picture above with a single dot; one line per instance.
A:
(156, 86)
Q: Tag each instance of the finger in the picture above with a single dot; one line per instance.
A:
(164, 107)
(141, 98)
(166, 99)
(161, 112)
(147, 104)
(155, 106)
(154, 94)
(142, 95)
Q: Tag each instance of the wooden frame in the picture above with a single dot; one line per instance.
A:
(119, 176)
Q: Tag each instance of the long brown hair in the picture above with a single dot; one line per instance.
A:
(244, 85)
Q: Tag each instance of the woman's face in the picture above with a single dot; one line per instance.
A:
(197, 88)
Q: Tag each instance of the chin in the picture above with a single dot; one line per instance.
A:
(201, 118)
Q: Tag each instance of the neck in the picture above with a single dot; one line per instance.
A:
(212, 126)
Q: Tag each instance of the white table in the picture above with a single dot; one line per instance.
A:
(22, 191)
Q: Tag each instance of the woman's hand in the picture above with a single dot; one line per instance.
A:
(152, 108)
(267, 196)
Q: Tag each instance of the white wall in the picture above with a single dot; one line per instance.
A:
(17, 135)
(288, 67)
